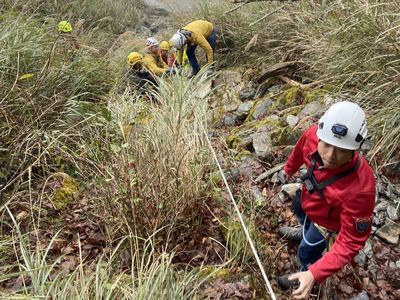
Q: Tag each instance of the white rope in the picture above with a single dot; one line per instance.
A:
(253, 248)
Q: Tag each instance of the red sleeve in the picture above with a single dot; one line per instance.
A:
(296, 158)
(171, 60)
(350, 240)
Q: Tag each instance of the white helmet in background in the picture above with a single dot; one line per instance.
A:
(152, 42)
(178, 40)
(343, 125)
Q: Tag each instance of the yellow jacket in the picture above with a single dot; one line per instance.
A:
(182, 60)
(154, 64)
(201, 30)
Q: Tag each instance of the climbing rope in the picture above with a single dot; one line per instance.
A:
(253, 248)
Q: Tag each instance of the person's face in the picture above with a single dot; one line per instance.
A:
(137, 66)
(155, 49)
(164, 52)
(334, 157)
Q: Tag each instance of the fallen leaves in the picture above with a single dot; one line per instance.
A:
(220, 289)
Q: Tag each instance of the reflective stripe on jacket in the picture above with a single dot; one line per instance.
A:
(347, 209)
(182, 61)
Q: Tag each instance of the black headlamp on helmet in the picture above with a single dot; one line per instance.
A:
(339, 129)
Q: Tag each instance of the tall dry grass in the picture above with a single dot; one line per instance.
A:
(147, 180)
(142, 165)
(156, 177)
(352, 46)
(48, 92)
(104, 15)
(150, 275)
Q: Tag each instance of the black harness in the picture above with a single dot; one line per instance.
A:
(186, 33)
(311, 183)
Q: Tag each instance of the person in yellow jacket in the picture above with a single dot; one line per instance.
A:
(68, 42)
(138, 76)
(152, 60)
(199, 32)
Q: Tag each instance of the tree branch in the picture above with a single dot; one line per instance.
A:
(268, 14)
(277, 69)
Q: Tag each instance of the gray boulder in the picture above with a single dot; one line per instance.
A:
(389, 232)
(261, 108)
(290, 189)
(392, 213)
(262, 145)
(311, 109)
(292, 120)
(247, 94)
(361, 296)
(244, 109)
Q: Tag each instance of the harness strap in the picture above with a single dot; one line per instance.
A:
(329, 235)
(304, 235)
(320, 186)
(336, 177)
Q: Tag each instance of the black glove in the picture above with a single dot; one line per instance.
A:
(282, 177)
(171, 71)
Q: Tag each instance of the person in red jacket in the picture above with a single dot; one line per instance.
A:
(167, 56)
(337, 195)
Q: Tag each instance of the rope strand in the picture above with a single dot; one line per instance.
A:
(253, 248)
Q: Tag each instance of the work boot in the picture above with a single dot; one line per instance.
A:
(192, 74)
(294, 234)
(286, 284)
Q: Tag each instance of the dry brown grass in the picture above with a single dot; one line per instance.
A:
(352, 46)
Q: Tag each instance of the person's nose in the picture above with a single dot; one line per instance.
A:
(331, 153)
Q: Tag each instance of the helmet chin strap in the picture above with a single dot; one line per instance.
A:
(361, 143)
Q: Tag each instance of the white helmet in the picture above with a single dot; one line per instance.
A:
(343, 125)
(178, 40)
(150, 42)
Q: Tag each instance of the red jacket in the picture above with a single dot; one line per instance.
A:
(169, 59)
(348, 208)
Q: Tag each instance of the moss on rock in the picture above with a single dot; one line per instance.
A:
(252, 110)
(284, 135)
(213, 272)
(288, 97)
(242, 154)
(232, 141)
(249, 127)
(314, 95)
(65, 194)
